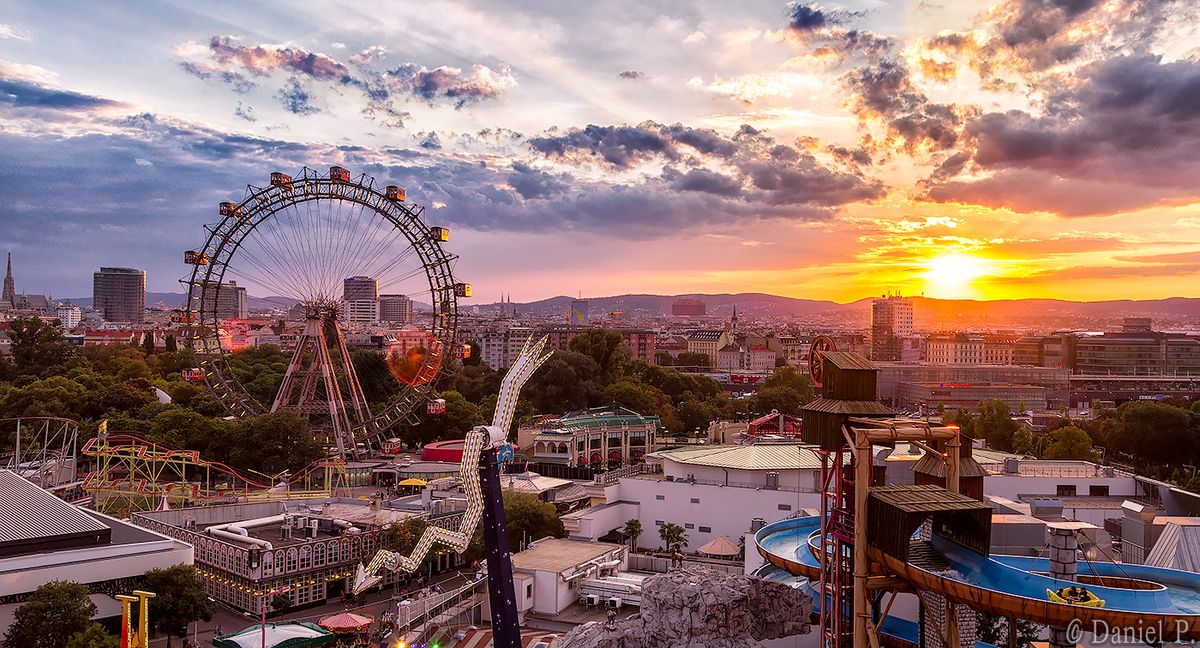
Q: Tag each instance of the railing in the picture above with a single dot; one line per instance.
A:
(613, 476)
(662, 565)
(717, 482)
(1060, 469)
(413, 617)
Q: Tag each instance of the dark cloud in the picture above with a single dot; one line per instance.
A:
(632, 74)
(235, 80)
(261, 60)
(430, 140)
(533, 183)
(624, 146)
(24, 94)
(295, 99)
(703, 180)
(1124, 134)
(449, 83)
(246, 113)
(810, 17)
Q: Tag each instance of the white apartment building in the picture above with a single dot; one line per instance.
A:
(69, 315)
(361, 311)
(970, 349)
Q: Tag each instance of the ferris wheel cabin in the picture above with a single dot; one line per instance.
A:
(465, 351)
(282, 180)
(436, 406)
(230, 209)
(462, 290)
(339, 174)
(185, 317)
(395, 193)
(193, 375)
(192, 257)
(441, 234)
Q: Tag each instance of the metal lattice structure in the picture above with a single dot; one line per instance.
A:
(296, 239)
(41, 449)
(132, 474)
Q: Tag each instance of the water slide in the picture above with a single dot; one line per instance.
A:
(1135, 596)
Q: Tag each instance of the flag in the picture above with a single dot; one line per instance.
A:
(102, 432)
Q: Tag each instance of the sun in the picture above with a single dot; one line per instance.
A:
(953, 273)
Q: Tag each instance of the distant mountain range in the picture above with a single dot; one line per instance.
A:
(928, 313)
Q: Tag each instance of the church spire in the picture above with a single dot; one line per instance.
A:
(9, 289)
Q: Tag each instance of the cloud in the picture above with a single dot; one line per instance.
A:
(1123, 134)
(632, 74)
(246, 113)
(235, 80)
(260, 60)
(811, 17)
(430, 140)
(369, 55)
(7, 31)
(295, 99)
(450, 83)
(533, 183)
(20, 93)
(702, 180)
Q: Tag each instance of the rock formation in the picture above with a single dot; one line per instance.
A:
(698, 607)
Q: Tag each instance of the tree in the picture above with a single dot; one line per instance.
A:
(692, 359)
(994, 630)
(995, 424)
(663, 359)
(280, 602)
(95, 636)
(1023, 441)
(1070, 443)
(37, 346)
(54, 613)
(607, 348)
(1153, 432)
(633, 531)
(271, 444)
(170, 345)
(179, 599)
(529, 518)
(672, 535)
(148, 343)
(458, 419)
(780, 361)
(373, 374)
(568, 381)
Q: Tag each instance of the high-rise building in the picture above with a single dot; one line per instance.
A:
(69, 316)
(362, 311)
(227, 300)
(10, 291)
(579, 312)
(360, 288)
(395, 308)
(891, 322)
(119, 294)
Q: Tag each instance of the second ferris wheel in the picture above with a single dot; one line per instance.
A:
(300, 243)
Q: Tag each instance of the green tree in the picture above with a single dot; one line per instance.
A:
(607, 348)
(663, 359)
(260, 369)
(994, 630)
(995, 424)
(529, 518)
(374, 376)
(271, 444)
(54, 613)
(95, 636)
(281, 602)
(963, 418)
(148, 343)
(568, 381)
(672, 535)
(633, 531)
(1153, 432)
(179, 599)
(459, 418)
(37, 346)
(170, 345)
(1070, 443)
(1023, 441)
(692, 359)
(695, 415)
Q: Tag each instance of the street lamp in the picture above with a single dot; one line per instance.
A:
(265, 602)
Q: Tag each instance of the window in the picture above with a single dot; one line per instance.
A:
(785, 507)
(705, 529)
(305, 557)
(695, 500)
(689, 525)
(291, 559)
(319, 555)
(1067, 490)
(1098, 490)
(279, 562)
(528, 591)
(660, 497)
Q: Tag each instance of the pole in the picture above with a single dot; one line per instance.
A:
(862, 565)
(263, 625)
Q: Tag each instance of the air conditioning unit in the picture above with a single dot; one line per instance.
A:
(613, 603)
(591, 600)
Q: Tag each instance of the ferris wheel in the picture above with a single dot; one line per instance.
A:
(339, 255)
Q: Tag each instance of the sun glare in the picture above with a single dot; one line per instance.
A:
(952, 274)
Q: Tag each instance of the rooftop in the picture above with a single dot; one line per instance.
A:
(33, 520)
(559, 554)
(768, 456)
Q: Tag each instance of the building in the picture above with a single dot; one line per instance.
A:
(1135, 351)
(640, 342)
(43, 539)
(225, 300)
(395, 309)
(600, 437)
(953, 396)
(687, 308)
(970, 348)
(245, 551)
(710, 491)
(579, 313)
(744, 357)
(119, 294)
(69, 315)
(549, 575)
(708, 342)
(891, 322)
(893, 375)
(361, 311)
(360, 288)
(10, 291)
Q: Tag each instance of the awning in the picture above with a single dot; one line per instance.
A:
(412, 481)
(292, 634)
(346, 622)
(719, 546)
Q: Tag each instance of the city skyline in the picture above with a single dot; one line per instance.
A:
(987, 150)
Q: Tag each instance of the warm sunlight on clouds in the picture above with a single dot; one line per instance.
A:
(952, 275)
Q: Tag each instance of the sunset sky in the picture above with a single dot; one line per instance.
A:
(1026, 148)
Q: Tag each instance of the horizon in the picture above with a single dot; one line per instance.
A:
(990, 151)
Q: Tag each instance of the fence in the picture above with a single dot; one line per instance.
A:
(662, 565)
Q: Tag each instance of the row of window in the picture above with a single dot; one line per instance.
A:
(1070, 490)
(284, 560)
(687, 525)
